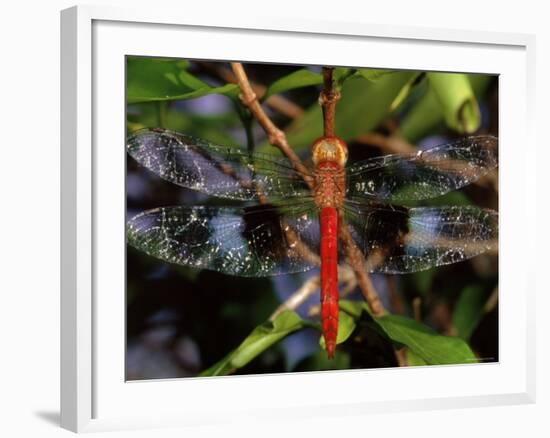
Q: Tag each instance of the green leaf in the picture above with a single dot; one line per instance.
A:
(342, 74)
(153, 80)
(346, 326)
(426, 115)
(306, 78)
(423, 118)
(259, 340)
(373, 74)
(468, 311)
(457, 99)
(297, 79)
(364, 104)
(353, 308)
(431, 347)
(413, 360)
(190, 81)
(428, 345)
(403, 94)
(213, 128)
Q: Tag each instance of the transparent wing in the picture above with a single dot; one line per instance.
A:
(426, 174)
(399, 240)
(220, 171)
(249, 242)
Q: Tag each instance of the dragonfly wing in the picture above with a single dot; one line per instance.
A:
(220, 171)
(399, 240)
(426, 174)
(248, 242)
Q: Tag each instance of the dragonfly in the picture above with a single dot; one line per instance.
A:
(291, 220)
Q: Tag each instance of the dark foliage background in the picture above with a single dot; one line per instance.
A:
(180, 321)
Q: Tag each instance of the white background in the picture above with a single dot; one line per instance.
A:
(29, 219)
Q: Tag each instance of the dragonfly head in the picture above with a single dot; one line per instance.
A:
(331, 149)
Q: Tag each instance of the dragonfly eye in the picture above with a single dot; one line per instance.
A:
(330, 149)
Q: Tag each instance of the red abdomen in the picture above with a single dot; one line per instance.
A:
(329, 277)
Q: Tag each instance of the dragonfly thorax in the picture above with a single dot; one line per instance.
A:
(329, 185)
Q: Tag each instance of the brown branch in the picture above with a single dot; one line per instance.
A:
(284, 106)
(358, 263)
(401, 357)
(278, 139)
(391, 144)
(348, 277)
(492, 301)
(417, 308)
(297, 298)
(275, 136)
(396, 299)
(328, 98)
(277, 102)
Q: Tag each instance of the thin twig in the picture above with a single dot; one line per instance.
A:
(492, 301)
(358, 263)
(275, 136)
(401, 357)
(396, 299)
(328, 98)
(417, 308)
(391, 144)
(277, 102)
(348, 278)
(297, 298)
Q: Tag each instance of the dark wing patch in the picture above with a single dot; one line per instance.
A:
(426, 174)
(215, 170)
(399, 240)
(248, 242)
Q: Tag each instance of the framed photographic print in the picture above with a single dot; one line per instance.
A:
(246, 232)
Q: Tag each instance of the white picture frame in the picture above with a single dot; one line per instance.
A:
(94, 395)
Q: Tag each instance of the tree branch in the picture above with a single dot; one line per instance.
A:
(277, 102)
(297, 298)
(345, 276)
(275, 136)
(328, 99)
(358, 263)
(391, 144)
